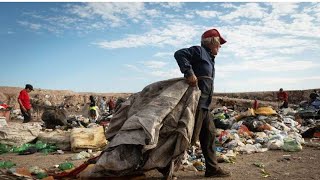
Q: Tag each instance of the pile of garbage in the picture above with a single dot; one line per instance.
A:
(256, 131)
(4, 113)
(60, 118)
(30, 138)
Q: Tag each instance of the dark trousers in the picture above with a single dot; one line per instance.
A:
(26, 116)
(207, 139)
(284, 105)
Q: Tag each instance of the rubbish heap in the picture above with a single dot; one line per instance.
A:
(255, 131)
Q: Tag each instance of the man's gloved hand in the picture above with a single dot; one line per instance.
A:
(192, 80)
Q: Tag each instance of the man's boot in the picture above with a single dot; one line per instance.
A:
(218, 173)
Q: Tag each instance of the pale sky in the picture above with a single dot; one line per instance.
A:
(123, 47)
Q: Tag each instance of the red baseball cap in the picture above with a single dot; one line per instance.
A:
(213, 33)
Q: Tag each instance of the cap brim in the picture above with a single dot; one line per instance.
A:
(222, 41)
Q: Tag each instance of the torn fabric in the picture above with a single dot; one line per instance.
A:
(150, 130)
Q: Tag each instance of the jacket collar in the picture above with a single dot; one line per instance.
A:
(209, 52)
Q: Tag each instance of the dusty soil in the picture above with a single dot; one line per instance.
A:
(299, 165)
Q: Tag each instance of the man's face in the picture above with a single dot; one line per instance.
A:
(215, 49)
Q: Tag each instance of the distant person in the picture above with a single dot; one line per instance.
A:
(24, 102)
(255, 103)
(92, 101)
(283, 98)
(93, 110)
(93, 114)
(314, 95)
(315, 99)
(103, 104)
(112, 105)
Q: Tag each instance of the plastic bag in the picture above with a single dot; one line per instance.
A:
(66, 166)
(5, 148)
(223, 137)
(6, 164)
(291, 144)
(275, 144)
(21, 148)
(40, 145)
(219, 116)
(244, 131)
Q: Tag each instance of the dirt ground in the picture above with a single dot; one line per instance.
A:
(299, 165)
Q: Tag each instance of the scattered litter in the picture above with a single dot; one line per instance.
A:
(7, 164)
(65, 166)
(81, 155)
(264, 173)
(259, 164)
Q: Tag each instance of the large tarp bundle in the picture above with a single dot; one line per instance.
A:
(150, 130)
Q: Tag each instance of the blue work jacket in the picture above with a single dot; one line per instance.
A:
(198, 60)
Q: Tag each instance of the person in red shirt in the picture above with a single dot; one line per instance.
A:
(24, 102)
(111, 105)
(283, 97)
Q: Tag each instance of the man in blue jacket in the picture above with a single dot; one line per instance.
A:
(197, 65)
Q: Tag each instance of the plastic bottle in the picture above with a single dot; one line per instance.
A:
(66, 166)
